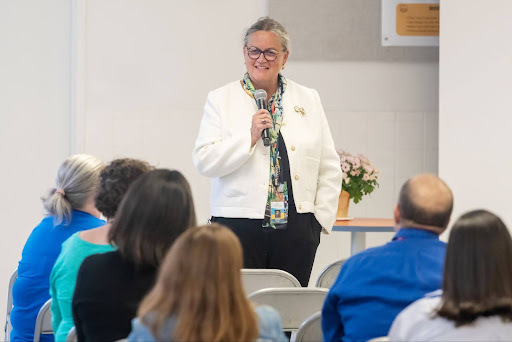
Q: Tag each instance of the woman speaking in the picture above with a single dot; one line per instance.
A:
(275, 198)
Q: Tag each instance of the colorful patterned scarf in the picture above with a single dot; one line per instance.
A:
(277, 189)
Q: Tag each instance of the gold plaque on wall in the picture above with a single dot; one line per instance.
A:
(417, 19)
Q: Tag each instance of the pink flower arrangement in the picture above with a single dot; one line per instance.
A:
(359, 175)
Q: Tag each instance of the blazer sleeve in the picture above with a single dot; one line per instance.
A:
(217, 153)
(329, 176)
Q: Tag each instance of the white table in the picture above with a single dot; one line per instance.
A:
(359, 226)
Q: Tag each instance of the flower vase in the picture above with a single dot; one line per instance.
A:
(343, 204)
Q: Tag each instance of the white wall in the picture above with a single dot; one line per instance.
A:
(34, 117)
(476, 104)
(149, 67)
(144, 70)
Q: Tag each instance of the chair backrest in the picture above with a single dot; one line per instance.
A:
(295, 305)
(379, 339)
(72, 335)
(8, 326)
(328, 276)
(311, 329)
(43, 321)
(257, 279)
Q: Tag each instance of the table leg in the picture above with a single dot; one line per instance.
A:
(357, 242)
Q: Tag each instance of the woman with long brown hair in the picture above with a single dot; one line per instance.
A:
(199, 295)
(476, 301)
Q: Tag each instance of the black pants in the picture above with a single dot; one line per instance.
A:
(292, 249)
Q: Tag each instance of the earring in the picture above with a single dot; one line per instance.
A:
(282, 68)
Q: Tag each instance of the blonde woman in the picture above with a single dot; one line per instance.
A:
(199, 296)
(70, 207)
(115, 179)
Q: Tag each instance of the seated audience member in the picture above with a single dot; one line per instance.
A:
(199, 296)
(157, 208)
(115, 179)
(476, 301)
(376, 284)
(70, 206)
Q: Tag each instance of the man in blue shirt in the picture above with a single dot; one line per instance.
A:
(376, 284)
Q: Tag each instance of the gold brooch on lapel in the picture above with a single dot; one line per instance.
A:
(300, 110)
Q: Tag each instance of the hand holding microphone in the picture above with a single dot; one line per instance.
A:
(261, 121)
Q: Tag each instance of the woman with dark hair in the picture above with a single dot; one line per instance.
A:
(70, 208)
(115, 179)
(476, 301)
(199, 296)
(157, 208)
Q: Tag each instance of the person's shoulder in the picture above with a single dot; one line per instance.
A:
(46, 225)
(102, 261)
(70, 244)
(269, 324)
(69, 247)
(42, 231)
(370, 253)
(424, 306)
(295, 87)
(364, 262)
(140, 332)
(413, 322)
(82, 220)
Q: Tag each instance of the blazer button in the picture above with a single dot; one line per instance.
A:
(293, 148)
(296, 177)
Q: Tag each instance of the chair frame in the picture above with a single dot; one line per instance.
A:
(255, 297)
(327, 270)
(8, 326)
(255, 272)
(307, 324)
(71, 337)
(43, 312)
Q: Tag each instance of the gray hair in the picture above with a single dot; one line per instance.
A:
(77, 179)
(271, 25)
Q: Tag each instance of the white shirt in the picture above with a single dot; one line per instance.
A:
(240, 174)
(415, 323)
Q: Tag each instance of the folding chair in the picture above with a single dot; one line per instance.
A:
(257, 279)
(8, 326)
(43, 321)
(72, 335)
(379, 339)
(328, 276)
(311, 329)
(295, 305)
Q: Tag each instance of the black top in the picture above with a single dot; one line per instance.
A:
(107, 295)
(285, 170)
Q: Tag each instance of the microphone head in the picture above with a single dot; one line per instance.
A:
(260, 94)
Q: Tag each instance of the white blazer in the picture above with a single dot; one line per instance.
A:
(240, 174)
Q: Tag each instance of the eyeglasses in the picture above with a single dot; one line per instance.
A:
(255, 53)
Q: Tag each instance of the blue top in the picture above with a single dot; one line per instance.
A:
(269, 328)
(63, 280)
(31, 289)
(376, 284)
